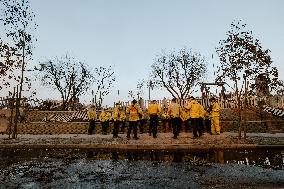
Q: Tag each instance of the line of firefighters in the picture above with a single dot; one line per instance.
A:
(192, 114)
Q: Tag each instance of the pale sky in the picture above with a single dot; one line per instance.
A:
(128, 34)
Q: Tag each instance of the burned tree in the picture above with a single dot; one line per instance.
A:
(104, 80)
(70, 77)
(242, 59)
(178, 72)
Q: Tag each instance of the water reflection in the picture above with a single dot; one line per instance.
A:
(265, 158)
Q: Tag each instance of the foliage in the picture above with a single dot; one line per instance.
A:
(242, 57)
(70, 77)
(104, 81)
(18, 19)
(243, 60)
(139, 91)
(178, 72)
(7, 64)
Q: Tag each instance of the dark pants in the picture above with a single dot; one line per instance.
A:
(175, 125)
(165, 123)
(116, 128)
(105, 125)
(201, 124)
(208, 125)
(92, 126)
(123, 124)
(132, 124)
(196, 128)
(179, 125)
(153, 125)
(142, 123)
(187, 125)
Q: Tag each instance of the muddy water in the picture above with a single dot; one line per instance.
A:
(75, 168)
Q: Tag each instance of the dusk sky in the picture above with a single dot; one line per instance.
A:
(128, 34)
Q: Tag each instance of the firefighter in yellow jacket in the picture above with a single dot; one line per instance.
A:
(104, 118)
(202, 114)
(184, 116)
(135, 113)
(123, 121)
(154, 110)
(166, 118)
(174, 112)
(215, 116)
(194, 113)
(92, 115)
(117, 117)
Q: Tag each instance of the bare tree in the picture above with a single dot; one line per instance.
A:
(70, 77)
(178, 72)
(104, 81)
(242, 59)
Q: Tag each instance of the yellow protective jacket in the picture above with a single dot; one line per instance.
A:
(92, 115)
(154, 109)
(174, 110)
(134, 112)
(194, 109)
(215, 110)
(165, 115)
(122, 116)
(184, 115)
(202, 112)
(118, 115)
(104, 116)
(144, 115)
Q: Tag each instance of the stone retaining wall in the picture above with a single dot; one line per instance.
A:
(34, 124)
(82, 127)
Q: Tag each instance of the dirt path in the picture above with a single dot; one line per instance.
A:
(164, 140)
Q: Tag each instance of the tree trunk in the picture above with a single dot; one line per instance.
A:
(19, 93)
(245, 108)
(16, 118)
(239, 112)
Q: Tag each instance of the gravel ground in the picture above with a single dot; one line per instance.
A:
(145, 139)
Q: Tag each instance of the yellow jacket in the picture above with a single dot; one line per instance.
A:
(105, 116)
(144, 115)
(194, 109)
(134, 111)
(215, 110)
(92, 115)
(165, 115)
(118, 115)
(122, 116)
(154, 109)
(202, 112)
(184, 115)
(174, 110)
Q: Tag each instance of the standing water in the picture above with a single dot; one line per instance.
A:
(78, 168)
